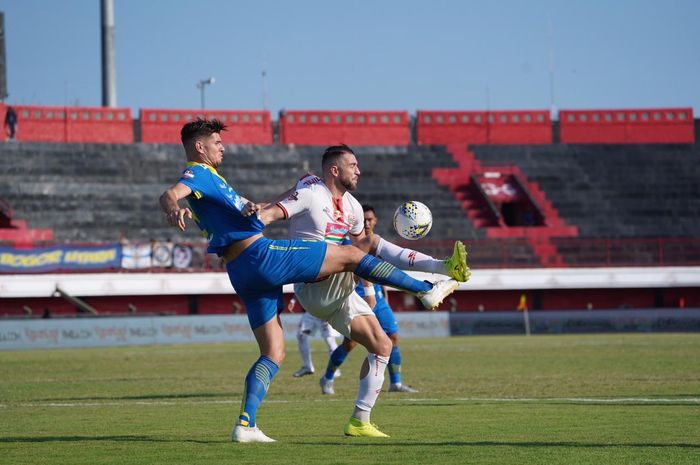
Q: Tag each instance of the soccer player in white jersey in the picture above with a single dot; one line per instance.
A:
(325, 209)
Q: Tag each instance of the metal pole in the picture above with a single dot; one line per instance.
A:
(109, 73)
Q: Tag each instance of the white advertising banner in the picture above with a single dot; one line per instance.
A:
(128, 331)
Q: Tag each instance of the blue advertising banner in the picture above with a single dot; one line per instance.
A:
(43, 259)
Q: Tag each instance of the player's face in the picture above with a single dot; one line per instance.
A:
(370, 222)
(348, 171)
(212, 150)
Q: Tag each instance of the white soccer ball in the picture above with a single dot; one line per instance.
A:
(413, 220)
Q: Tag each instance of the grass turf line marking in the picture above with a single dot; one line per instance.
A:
(571, 400)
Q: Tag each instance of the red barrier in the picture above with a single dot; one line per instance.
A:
(243, 127)
(74, 124)
(345, 127)
(642, 126)
(483, 127)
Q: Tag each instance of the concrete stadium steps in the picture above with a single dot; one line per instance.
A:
(613, 191)
(96, 192)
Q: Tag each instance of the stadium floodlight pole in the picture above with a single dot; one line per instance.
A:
(109, 70)
(201, 84)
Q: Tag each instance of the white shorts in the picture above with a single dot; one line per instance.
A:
(309, 324)
(333, 300)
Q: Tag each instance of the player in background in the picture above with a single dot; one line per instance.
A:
(324, 209)
(258, 267)
(387, 320)
(308, 326)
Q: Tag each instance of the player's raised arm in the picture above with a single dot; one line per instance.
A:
(175, 215)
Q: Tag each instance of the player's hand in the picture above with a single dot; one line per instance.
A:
(176, 218)
(251, 208)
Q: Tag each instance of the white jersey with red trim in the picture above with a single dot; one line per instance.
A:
(315, 214)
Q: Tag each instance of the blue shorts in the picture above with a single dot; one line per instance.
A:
(261, 270)
(386, 317)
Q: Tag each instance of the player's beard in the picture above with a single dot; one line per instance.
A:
(349, 185)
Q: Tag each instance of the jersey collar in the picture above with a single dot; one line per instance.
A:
(210, 168)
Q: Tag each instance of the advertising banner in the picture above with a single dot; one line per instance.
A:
(65, 257)
(154, 330)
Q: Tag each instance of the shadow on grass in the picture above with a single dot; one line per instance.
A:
(349, 442)
(121, 438)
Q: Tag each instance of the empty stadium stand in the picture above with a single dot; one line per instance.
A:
(637, 126)
(354, 128)
(614, 192)
(74, 124)
(101, 192)
(17, 233)
(243, 127)
(483, 127)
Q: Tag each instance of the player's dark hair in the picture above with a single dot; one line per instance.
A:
(200, 128)
(368, 208)
(332, 153)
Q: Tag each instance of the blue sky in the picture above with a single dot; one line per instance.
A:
(364, 55)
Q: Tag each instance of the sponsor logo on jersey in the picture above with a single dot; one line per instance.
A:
(188, 174)
(335, 232)
(293, 197)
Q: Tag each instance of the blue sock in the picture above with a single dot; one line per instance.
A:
(256, 384)
(395, 365)
(337, 358)
(381, 272)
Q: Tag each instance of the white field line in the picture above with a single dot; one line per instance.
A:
(570, 400)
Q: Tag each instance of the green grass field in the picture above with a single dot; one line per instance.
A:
(604, 399)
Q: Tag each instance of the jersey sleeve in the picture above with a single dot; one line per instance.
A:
(297, 202)
(198, 179)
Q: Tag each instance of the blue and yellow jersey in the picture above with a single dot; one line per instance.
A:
(216, 208)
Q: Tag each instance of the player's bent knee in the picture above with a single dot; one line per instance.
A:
(277, 356)
(384, 347)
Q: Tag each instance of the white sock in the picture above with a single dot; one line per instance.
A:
(305, 350)
(370, 386)
(331, 343)
(407, 259)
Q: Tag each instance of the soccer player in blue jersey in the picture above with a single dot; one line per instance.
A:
(387, 320)
(259, 267)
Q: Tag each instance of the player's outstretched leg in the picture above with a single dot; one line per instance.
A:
(454, 266)
(350, 258)
(430, 294)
